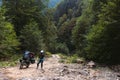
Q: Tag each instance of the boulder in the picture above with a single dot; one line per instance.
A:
(91, 64)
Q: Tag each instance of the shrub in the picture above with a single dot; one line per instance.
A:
(48, 54)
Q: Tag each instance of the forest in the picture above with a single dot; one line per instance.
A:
(86, 28)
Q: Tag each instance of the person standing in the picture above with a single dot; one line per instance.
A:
(41, 59)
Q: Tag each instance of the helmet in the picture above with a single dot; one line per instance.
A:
(42, 51)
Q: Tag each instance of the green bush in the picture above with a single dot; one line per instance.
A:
(69, 59)
(48, 54)
(12, 61)
(72, 59)
(62, 56)
(62, 61)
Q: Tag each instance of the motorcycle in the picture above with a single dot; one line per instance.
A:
(27, 61)
(23, 63)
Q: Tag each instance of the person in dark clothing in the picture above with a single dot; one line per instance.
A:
(25, 61)
(26, 55)
(41, 59)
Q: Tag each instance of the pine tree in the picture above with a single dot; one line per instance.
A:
(31, 37)
(103, 39)
(20, 12)
(8, 39)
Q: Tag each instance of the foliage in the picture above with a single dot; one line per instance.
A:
(61, 61)
(65, 19)
(69, 59)
(50, 33)
(13, 61)
(48, 54)
(68, 7)
(65, 32)
(20, 12)
(8, 39)
(62, 56)
(31, 37)
(90, 28)
(72, 59)
(62, 20)
(62, 48)
(27, 13)
(103, 39)
(82, 26)
(89, 17)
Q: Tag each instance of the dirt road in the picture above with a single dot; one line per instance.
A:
(53, 70)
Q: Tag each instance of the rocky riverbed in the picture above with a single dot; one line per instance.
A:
(53, 70)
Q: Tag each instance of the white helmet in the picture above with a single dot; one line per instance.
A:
(42, 51)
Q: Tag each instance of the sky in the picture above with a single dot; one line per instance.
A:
(0, 2)
(53, 3)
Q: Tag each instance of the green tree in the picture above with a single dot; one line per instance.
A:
(8, 39)
(65, 32)
(103, 38)
(82, 26)
(50, 33)
(90, 10)
(65, 20)
(62, 20)
(31, 37)
(20, 12)
(68, 7)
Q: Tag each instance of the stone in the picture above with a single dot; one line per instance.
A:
(118, 75)
(91, 64)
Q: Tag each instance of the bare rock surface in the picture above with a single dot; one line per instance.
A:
(53, 70)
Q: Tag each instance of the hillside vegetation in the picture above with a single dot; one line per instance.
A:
(87, 28)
